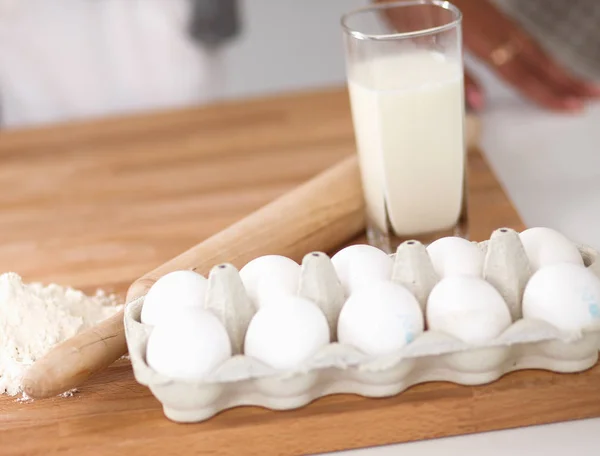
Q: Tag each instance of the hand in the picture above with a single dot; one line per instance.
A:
(517, 59)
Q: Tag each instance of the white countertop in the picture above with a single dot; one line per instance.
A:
(549, 163)
(550, 166)
(580, 438)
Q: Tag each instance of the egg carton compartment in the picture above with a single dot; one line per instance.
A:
(340, 368)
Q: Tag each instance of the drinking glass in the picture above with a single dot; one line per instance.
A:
(405, 78)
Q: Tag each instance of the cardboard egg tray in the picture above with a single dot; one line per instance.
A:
(339, 368)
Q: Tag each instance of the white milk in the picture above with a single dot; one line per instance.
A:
(408, 114)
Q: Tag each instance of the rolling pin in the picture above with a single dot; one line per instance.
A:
(322, 214)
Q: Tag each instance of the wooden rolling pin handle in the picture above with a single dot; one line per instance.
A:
(321, 215)
(72, 362)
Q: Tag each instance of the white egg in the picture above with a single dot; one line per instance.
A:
(360, 265)
(189, 345)
(380, 318)
(565, 295)
(172, 291)
(455, 256)
(270, 276)
(467, 308)
(545, 246)
(284, 336)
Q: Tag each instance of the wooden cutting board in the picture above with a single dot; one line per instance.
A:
(98, 204)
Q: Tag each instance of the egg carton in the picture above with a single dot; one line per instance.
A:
(338, 368)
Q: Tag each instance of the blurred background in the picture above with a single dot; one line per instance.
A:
(69, 60)
(298, 45)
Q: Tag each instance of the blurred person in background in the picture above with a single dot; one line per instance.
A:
(549, 50)
(63, 60)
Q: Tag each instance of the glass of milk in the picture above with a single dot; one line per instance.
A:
(405, 78)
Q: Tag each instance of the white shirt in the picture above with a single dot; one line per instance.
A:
(62, 60)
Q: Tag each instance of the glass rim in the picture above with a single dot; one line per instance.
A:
(400, 35)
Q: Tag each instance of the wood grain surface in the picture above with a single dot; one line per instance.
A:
(99, 204)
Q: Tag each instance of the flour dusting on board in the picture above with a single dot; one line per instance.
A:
(34, 318)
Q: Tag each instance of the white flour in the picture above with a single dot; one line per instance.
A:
(34, 318)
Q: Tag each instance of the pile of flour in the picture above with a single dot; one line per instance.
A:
(34, 318)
